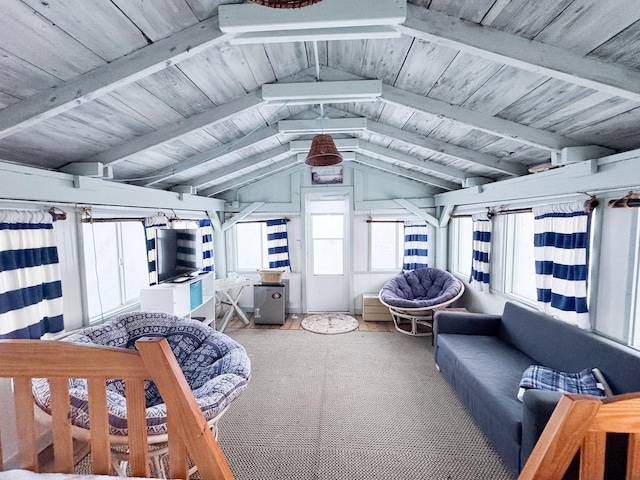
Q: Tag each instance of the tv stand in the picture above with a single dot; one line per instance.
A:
(188, 297)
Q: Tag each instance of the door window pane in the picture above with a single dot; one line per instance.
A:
(328, 226)
(327, 257)
(328, 240)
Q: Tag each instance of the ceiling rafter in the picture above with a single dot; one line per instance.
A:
(448, 149)
(521, 53)
(208, 118)
(404, 172)
(110, 76)
(274, 154)
(252, 176)
(213, 154)
(394, 155)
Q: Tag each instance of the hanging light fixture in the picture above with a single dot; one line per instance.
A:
(285, 3)
(323, 151)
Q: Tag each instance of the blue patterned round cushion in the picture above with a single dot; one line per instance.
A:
(216, 367)
(420, 288)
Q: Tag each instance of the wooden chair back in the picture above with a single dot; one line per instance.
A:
(188, 432)
(580, 423)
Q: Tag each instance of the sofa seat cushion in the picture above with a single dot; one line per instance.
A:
(487, 370)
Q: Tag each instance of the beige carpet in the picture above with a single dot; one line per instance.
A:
(362, 406)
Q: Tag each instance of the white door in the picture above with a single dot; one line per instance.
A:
(328, 247)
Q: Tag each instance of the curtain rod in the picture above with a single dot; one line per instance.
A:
(630, 200)
(261, 221)
(589, 206)
(371, 220)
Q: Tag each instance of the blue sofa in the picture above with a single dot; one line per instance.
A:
(484, 356)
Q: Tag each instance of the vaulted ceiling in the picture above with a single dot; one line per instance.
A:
(160, 95)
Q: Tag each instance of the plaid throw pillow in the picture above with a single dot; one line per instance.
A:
(544, 378)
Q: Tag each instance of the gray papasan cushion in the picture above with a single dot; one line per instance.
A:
(216, 367)
(420, 288)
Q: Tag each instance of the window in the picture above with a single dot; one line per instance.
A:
(387, 245)
(115, 265)
(521, 270)
(327, 231)
(251, 246)
(462, 242)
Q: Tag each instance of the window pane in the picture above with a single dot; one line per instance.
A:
(385, 246)
(464, 242)
(328, 226)
(134, 255)
(251, 246)
(102, 267)
(524, 271)
(327, 257)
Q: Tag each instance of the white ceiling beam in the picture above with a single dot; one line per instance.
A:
(311, 93)
(273, 154)
(396, 156)
(210, 155)
(106, 78)
(448, 149)
(403, 172)
(522, 53)
(477, 120)
(250, 17)
(209, 118)
(342, 144)
(251, 176)
(317, 35)
(325, 125)
(406, 204)
(240, 215)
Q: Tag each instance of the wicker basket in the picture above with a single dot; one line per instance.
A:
(271, 276)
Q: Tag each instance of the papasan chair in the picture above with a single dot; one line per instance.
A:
(216, 367)
(412, 298)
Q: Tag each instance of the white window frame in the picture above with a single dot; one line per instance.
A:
(456, 257)
(125, 303)
(509, 265)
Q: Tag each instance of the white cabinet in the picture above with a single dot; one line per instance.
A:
(193, 298)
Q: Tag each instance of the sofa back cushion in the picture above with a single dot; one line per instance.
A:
(564, 347)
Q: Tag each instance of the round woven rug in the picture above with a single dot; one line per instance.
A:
(329, 323)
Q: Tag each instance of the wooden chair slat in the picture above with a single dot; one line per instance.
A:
(178, 461)
(633, 457)
(99, 421)
(62, 438)
(592, 456)
(137, 428)
(25, 423)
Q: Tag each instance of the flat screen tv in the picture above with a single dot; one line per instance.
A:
(178, 253)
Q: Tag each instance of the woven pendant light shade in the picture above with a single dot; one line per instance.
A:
(285, 3)
(323, 152)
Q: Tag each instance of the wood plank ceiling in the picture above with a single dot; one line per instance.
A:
(471, 88)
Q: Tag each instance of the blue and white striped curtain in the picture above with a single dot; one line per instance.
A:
(30, 283)
(278, 243)
(207, 245)
(151, 226)
(481, 250)
(561, 249)
(415, 246)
